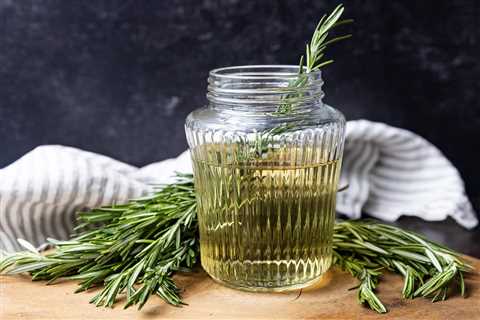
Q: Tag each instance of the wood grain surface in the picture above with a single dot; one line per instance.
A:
(329, 299)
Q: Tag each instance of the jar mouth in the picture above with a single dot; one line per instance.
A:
(256, 72)
(267, 86)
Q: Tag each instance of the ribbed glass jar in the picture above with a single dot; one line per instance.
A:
(267, 154)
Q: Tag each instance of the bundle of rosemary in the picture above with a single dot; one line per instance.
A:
(141, 244)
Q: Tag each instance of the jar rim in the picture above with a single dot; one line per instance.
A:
(263, 72)
(265, 86)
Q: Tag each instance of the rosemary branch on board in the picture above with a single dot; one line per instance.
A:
(141, 244)
(366, 249)
(136, 250)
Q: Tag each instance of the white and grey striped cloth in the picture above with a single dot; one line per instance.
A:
(390, 172)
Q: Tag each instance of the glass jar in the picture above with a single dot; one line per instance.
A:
(266, 153)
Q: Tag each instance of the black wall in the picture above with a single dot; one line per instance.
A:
(119, 77)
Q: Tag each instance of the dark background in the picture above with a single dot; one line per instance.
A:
(119, 77)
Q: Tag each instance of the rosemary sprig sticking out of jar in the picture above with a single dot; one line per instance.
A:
(314, 57)
(313, 60)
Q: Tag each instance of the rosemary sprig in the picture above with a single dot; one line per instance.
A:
(315, 54)
(141, 244)
(314, 59)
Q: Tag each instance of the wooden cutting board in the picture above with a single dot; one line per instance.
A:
(329, 299)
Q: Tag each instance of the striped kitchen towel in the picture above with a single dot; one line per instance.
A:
(390, 172)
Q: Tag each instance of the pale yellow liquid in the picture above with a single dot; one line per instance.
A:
(266, 227)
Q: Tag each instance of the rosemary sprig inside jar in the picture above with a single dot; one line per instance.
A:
(313, 60)
(266, 154)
